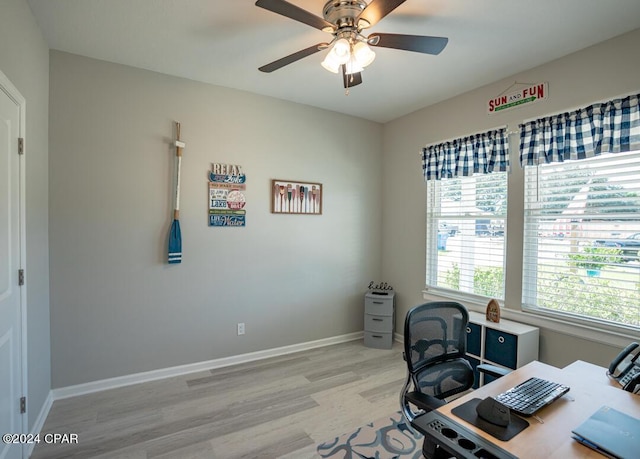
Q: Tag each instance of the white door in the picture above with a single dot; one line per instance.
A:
(10, 292)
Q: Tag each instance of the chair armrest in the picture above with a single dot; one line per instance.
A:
(493, 370)
(424, 401)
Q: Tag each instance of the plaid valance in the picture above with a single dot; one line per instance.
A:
(475, 154)
(612, 126)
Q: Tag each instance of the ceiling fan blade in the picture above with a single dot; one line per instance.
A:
(417, 43)
(291, 58)
(294, 12)
(351, 80)
(378, 9)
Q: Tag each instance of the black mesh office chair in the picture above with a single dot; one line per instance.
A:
(435, 342)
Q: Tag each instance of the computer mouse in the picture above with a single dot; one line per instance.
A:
(494, 412)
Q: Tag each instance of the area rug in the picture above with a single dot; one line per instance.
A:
(385, 438)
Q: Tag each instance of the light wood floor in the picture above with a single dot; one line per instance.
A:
(275, 408)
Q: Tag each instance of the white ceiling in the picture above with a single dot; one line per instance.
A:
(223, 42)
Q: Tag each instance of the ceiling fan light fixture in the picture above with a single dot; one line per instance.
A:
(331, 63)
(342, 50)
(363, 54)
(353, 66)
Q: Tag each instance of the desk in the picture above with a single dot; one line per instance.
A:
(590, 389)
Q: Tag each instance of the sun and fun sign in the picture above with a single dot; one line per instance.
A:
(527, 95)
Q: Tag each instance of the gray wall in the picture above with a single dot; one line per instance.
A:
(24, 59)
(601, 72)
(116, 307)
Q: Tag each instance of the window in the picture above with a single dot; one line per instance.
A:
(580, 254)
(582, 238)
(466, 218)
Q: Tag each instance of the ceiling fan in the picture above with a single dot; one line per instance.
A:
(350, 50)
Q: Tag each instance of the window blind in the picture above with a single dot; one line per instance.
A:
(582, 237)
(466, 218)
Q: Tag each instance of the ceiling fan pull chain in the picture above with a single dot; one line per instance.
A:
(349, 80)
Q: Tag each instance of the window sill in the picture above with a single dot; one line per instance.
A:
(583, 329)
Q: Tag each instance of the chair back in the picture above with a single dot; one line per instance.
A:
(435, 337)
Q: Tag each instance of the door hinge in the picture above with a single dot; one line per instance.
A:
(20, 146)
(23, 405)
(21, 277)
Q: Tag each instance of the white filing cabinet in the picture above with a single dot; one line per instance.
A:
(379, 319)
(506, 344)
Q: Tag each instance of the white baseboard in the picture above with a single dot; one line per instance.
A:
(39, 422)
(127, 380)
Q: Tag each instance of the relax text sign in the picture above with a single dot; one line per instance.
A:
(528, 95)
(226, 195)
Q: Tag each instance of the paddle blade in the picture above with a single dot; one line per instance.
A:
(416, 43)
(296, 13)
(175, 243)
(376, 10)
(291, 58)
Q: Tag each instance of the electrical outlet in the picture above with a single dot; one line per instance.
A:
(241, 328)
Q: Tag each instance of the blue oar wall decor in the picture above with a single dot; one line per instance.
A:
(175, 236)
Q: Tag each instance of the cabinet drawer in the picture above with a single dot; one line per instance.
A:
(378, 323)
(501, 348)
(378, 340)
(378, 305)
(474, 338)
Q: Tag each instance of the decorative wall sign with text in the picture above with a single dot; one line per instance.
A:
(379, 287)
(226, 195)
(528, 94)
(293, 197)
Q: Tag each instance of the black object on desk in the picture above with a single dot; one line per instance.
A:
(528, 397)
(442, 433)
(467, 412)
(493, 411)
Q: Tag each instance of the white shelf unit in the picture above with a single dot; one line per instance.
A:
(505, 344)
